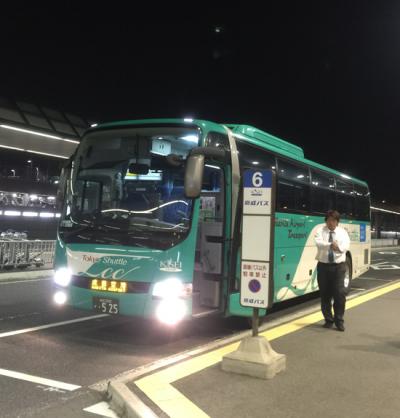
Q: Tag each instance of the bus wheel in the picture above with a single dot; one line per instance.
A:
(348, 275)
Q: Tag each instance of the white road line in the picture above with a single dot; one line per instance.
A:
(373, 278)
(39, 380)
(56, 324)
(26, 281)
(103, 409)
(357, 288)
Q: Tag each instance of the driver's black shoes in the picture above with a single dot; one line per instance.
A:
(340, 326)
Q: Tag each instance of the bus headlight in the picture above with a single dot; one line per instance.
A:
(171, 289)
(171, 311)
(62, 276)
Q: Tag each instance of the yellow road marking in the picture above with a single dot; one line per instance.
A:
(158, 385)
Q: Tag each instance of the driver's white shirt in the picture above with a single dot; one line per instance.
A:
(339, 235)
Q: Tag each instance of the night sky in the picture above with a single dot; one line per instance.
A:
(324, 75)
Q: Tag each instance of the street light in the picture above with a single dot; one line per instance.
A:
(29, 170)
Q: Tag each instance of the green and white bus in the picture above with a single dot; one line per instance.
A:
(151, 218)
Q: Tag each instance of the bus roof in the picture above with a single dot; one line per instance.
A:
(246, 132)
(201, 123)
(279, 146)
(267, 139)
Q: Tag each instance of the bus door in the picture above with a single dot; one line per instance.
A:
(211, 240)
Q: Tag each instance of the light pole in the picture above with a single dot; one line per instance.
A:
(30, 169)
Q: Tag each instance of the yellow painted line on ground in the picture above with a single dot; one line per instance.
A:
(158, 385)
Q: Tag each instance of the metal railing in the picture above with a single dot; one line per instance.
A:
(24, 254)
(385, 242)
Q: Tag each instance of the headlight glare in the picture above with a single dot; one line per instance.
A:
(171, 289)
(171, 311)
(62, 276)
(60, 298)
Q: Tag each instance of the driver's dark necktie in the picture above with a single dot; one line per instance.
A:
(331, 256)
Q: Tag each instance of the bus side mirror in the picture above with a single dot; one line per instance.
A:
(194, 175)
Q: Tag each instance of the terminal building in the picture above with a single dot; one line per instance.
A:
(35, 142)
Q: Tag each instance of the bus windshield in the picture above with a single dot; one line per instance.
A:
(127, 188)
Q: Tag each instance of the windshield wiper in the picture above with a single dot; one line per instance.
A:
(86, 225)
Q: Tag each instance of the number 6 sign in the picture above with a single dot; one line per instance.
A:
(257, 238)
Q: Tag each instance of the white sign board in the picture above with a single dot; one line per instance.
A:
(254, 280)
(257, 234)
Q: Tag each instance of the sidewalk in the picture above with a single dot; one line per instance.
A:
(11, 275)
(329, 374)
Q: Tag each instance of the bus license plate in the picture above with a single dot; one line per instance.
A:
(105, 305)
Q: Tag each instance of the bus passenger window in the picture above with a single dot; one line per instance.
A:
(292, 196)
(293, 186)
(293, 171)
(322, 200)
(253, 157)
(323, 197)
(345, 203)
(362, 202)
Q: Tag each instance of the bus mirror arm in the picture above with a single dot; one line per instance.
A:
(210, 153)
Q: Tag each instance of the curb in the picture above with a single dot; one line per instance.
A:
(129, 405)
(126, 404)
(25, 275)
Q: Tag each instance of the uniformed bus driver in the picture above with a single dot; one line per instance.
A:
(332, 243)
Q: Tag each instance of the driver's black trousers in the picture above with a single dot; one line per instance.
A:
(331, 286)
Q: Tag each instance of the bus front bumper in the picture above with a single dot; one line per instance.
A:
(144, 305)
